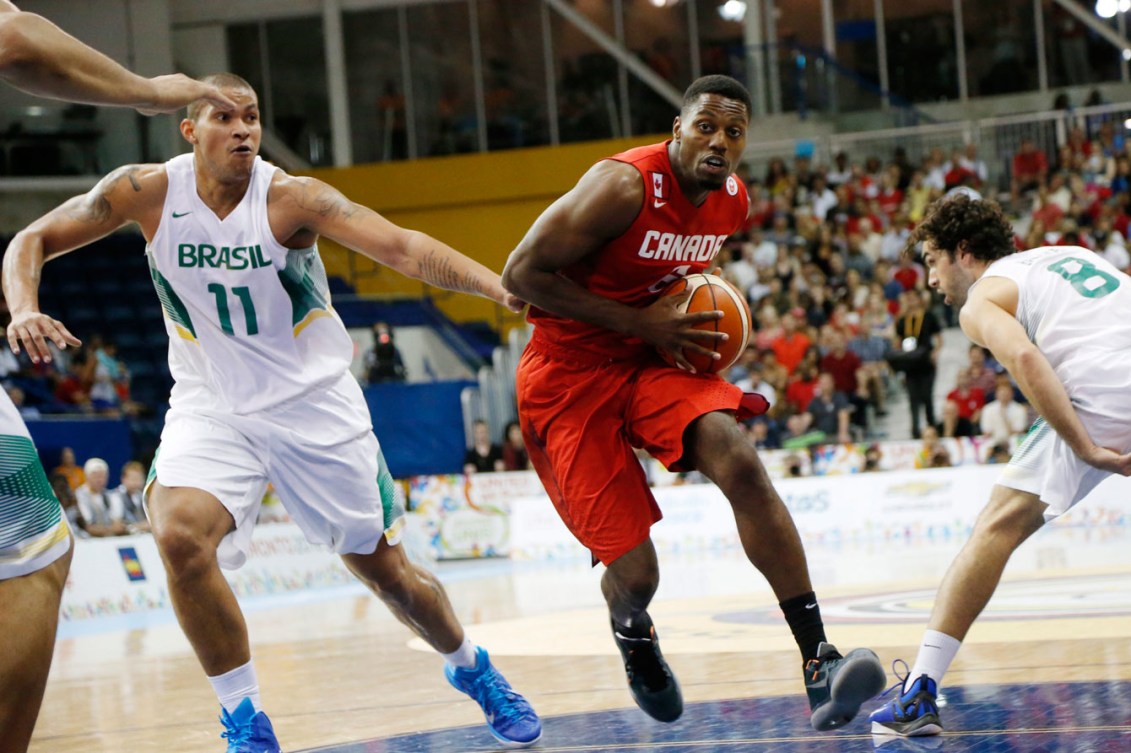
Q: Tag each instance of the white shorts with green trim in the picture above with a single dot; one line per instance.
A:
(318, 451)
(33, 530)
(1045, 466)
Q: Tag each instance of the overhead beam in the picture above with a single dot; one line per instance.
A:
(634, 65)
(1089, 19)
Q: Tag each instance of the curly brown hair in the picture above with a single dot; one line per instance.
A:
(954, 219)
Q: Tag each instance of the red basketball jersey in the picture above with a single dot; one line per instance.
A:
(670, 238)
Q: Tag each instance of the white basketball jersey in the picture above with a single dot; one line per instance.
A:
(1076, 308)
(249, 321)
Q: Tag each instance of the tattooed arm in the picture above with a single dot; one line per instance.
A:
(40, 58)
(302, 208)
(131, 193)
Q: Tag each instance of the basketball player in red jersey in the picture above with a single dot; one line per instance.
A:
(592, 386)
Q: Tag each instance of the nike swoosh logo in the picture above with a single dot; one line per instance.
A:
(810, 606)
(657, 203)
(182, 214)
(638, 640)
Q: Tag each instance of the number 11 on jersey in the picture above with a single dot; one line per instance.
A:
(244, 294)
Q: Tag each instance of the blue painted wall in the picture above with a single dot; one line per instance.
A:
(104, 438)
(420, 426)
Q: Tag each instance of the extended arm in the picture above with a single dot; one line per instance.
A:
(986, 320)
(305, 204)
(601, 207)
(38, 57)
(117, 199)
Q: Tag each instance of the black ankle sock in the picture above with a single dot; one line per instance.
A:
(804, 618)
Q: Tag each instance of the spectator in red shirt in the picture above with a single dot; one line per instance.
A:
(790, 347)
(1030, 169)
(981, 376)
(845, 367)
(890, 196)
(73, 389)
(967, 397)
(801, 388)
(908, 273)
(841, 363)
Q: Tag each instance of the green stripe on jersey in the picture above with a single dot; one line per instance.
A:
(1033, 440)
(304, 279)
(170, 301)
(390, 505)
(28, 507)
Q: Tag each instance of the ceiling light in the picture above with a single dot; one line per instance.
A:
(735, 10)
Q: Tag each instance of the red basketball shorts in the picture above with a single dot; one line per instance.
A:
(581, 417)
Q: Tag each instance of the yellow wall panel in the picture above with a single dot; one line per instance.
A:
(481, 204)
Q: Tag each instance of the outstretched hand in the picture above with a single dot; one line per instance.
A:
(1108, 460)
(513, 303)
(673, 333)
(176, 90)
(33, 331)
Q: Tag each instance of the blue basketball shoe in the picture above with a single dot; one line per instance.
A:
(248, 731)
(839, 685)
(510, 717)
(914, 712)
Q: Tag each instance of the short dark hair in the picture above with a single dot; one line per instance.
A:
(724, 86)
(953, 219)
(223, 81)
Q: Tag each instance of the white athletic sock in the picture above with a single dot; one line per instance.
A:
(234, 686)
(463, 657)
(936, 652)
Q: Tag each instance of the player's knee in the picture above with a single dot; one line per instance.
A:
(638, 583)
(182, 547)
(732, 464)
(391, 576)
(1011, 517)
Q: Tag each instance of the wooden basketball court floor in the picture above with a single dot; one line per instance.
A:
(1048, 668)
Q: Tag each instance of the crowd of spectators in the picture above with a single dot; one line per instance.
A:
(88, 380)
(843, 316)
(92, 507)
(485, 456)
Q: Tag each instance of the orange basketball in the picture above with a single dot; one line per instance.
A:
(712, 293)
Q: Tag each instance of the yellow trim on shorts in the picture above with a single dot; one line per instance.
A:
(39, 546)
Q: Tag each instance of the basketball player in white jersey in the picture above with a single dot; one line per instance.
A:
(1057, 319)
(262, 389)
(38, 57)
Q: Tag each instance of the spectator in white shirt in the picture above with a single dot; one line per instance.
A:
(1004, 418)
(822, 197)
(895, 238)
(765, 253)
(1109, 245)
(740, 270)
(100, 509)
(970, 161)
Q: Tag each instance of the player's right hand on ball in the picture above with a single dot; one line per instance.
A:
(664, 325)
(33, 330)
